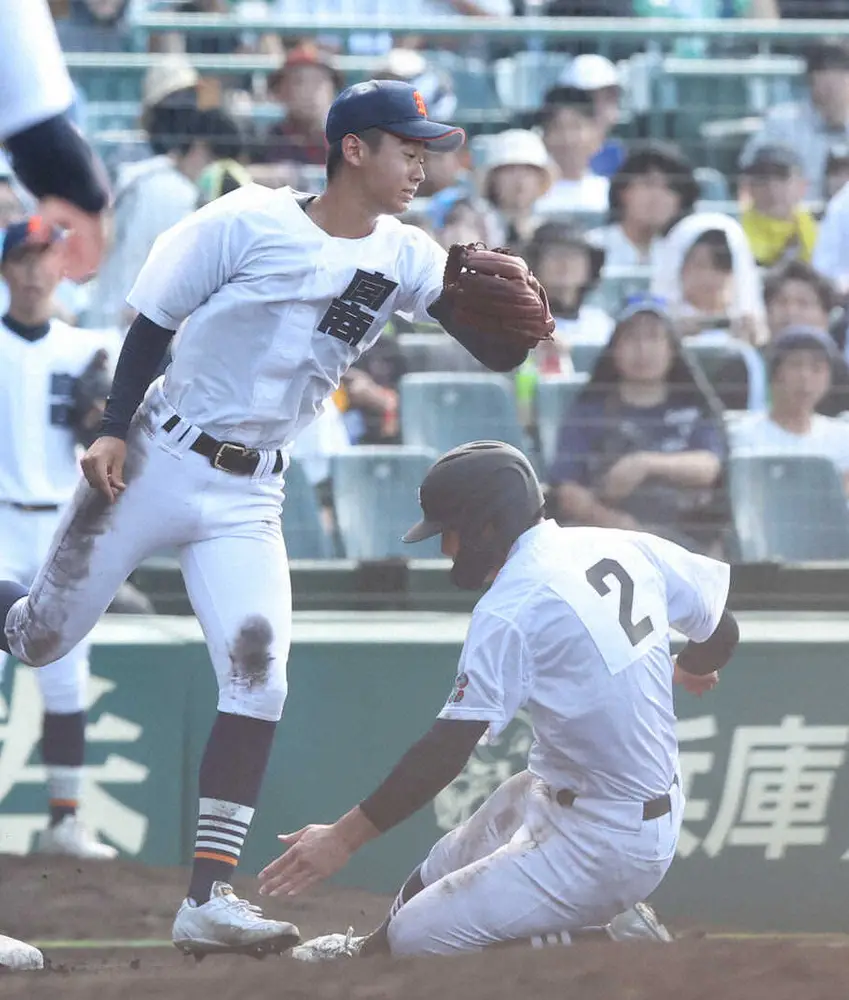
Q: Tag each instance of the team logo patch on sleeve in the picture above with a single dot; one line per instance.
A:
(461, 682)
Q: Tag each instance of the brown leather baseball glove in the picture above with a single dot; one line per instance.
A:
(494, 291)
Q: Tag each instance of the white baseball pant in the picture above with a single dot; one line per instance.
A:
(524, 866)
(227, 533)
(25, 538)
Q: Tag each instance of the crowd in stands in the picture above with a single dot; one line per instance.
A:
(700, 315)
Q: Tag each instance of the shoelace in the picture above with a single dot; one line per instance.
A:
(245, 906)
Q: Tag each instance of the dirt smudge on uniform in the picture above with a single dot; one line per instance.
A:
(69, 564)
(251, 655)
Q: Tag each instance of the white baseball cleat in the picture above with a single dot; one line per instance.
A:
(227, 924)
(640, 923)
(17, 956)
(73, 839)
(329, 947)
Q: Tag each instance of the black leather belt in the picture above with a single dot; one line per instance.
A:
(228, 456)
(30, 508)
(653, 809)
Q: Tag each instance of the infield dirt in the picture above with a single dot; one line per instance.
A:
(63, 901)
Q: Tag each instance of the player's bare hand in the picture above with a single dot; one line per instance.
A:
(697, 684)
(86, 236)
(314, 853)
(103, 466)
(625, 476)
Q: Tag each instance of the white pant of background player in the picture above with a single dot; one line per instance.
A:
(25, 537)
(227, 533)
(524, 867)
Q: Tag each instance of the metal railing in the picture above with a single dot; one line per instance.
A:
(550, 28)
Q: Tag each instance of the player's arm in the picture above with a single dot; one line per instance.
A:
(48, 153)
(488, 691)
(187, 265)
(701, 658)
(431, 764)
(697, 591)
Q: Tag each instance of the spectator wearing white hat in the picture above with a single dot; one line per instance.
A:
(598, 76)
(572, 136)
(516, 173)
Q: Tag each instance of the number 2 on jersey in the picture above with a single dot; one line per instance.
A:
(597, 579)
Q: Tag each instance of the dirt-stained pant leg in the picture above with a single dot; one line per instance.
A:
(488, 828)
(562, 870)
(95, 548)
(240, 591)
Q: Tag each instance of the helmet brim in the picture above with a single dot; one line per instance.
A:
(422, 530)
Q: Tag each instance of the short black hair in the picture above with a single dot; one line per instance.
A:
(798, 270)
(554, 235)
(566, 97)
(664, 157)
(372, 137)
(827, 55)
(720, 249)
(221, 132)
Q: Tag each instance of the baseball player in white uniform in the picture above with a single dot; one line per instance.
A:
(275, 295)
(40, 360)
(575, 629)
(57, 165)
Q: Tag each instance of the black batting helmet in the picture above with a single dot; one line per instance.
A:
(488, 492)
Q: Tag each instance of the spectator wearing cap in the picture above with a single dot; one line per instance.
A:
(305, 85)
(836, 169)
(598, 76)
(640, 448)
(811, 126)
(800, 373)
(795, 296)
(654, 189)
(515, 174)
(572, 136)
(569, 268)
(776, 224)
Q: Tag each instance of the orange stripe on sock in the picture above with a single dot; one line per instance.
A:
(64, 803)
(214, 856)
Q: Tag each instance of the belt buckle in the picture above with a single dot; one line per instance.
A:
(227, 446)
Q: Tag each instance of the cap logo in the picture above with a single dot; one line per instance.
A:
(421, 107)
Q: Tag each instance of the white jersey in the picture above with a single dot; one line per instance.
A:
(38, 460)
(272, 310)
(34, 82)
(575, 629)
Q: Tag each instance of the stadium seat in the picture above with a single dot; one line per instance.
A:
(375, 494)
(788, 508)
(302, 528)
(555, 396)
(711, 354)
(436, 352)
(443, 411)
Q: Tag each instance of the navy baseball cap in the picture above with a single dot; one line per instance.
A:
(392, 106)
(31, 232)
